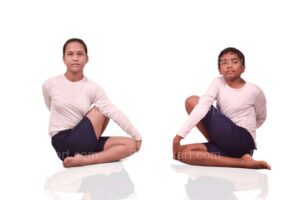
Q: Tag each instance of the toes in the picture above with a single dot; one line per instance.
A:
(268, 166)
(66, 162)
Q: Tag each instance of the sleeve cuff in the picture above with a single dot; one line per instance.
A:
(181, 135)
(137, 137)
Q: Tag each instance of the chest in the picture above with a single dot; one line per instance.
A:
(235, 99)
(75, 98)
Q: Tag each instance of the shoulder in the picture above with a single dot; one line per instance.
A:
(93, 85)
(254, 88)
(218, 81)
(52, 81)
(256, 91)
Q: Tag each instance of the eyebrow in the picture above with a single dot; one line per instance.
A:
(229, 59)
(75, 51)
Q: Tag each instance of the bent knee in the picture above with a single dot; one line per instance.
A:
(191, 102)
(95, 113)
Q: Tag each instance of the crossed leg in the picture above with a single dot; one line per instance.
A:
(115, 148)
(197, 154)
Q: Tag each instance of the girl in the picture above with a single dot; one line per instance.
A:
(79, 113)
(231, 127)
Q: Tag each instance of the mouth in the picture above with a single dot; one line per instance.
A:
(229, 72)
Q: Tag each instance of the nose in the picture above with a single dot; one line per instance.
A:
(229, 64)
(75, 57)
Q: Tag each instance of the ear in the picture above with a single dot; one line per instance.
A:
(87, 59)
(63, 58)
(243, 69)
(219, 68)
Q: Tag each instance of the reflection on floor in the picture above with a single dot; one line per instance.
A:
(102, 181)
(222, 183)
(111, 181)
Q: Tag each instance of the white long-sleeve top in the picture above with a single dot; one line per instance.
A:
(68, 102)
(245, 106)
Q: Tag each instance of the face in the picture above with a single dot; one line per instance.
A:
(75, 57)
(231, 67)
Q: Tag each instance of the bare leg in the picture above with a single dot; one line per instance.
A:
(192, 147)
(115, 149)
(195, 154)
(190, 104)
(98, 120)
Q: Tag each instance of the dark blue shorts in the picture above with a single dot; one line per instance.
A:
(227, 139)
(81, 139)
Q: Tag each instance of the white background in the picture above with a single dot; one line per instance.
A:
(148, 56)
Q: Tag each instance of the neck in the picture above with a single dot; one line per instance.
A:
(74, 76)
(236, 83)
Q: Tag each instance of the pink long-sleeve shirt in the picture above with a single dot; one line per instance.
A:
(68, 102)
(245, 106)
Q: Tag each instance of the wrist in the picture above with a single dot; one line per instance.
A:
(177, 139)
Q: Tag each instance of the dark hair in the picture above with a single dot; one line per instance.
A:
(75, 40)
(234, 51)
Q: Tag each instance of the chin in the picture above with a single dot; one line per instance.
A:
(230, 78)
(75, 70)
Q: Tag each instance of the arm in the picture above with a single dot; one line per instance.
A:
(176, 145)
(108, 109)
(46, 96)
(201, 109)
(260, 109)
(138, 145)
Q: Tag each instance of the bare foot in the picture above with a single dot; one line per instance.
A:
(77, 160)
(254, 164)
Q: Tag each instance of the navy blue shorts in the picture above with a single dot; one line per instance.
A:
(227, 139)
(81, 139)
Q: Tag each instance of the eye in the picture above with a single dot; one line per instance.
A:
(235, 61)
(223, 62)
(70, 53)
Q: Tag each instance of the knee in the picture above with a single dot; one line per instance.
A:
(93, 112)
(191, 102)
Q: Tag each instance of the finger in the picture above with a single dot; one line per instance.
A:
(175, 156)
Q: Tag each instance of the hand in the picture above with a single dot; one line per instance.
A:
(138, 145)
(176, 146)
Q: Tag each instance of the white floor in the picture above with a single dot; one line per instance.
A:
(145, 175)
(153, 174)
(140, 178)
(114, 181)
